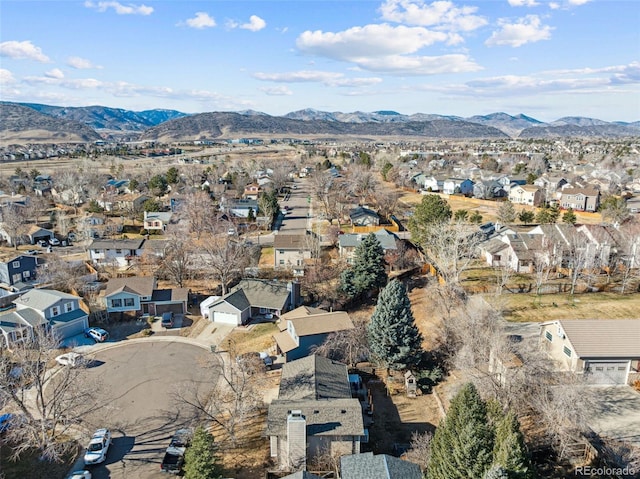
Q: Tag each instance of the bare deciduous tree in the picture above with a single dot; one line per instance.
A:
(350, 346)
(233, 399)
(13, 219)
(197, 209)
(178, 259)
(418, 452)
(49, 405)
(224, 256)
(62, 275)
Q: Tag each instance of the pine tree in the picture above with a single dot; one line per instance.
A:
(462, 446)
(368, 272)
(526, 217)
(199, 460)
(393, 336)
(569, 217)
(432, 210)
(509, 451)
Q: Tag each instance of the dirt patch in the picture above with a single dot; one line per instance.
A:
(397, 417)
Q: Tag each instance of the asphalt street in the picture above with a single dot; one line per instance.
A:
(138, 385)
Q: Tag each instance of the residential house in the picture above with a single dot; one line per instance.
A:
(530, 195)
(305, 328)
(378, 466)
(13, 200)
(19, 272)
(254, 297)
(48, 309)
(117, 186)
(157, 220)
(362, 216)
(290, 251)
(252, 191)
(314, 413)
(239, 208)
(129, 202)
(432, 183)
(603, 351)
(115, 252)
(36, 234)
(580, 199)
(633, 204)
(462, 186)
(519, 255)
(139, 295)
(347, 243)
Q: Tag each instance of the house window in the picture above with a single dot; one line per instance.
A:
(129, 301)
(16, 278)
(116, 303)
(281, 262)
(118, 251)
(548, 335)
(264, 310)
(280, 251)
(567, 351)
(16, 264)
(26, 274)
(55, 311)
(68, 307)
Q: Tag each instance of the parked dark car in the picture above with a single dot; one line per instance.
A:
(174, 455)
(167, 320)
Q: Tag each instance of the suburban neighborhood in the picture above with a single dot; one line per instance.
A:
(322, 310)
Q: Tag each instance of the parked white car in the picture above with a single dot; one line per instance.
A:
(98, 447)
(80, 475)
(71, 359)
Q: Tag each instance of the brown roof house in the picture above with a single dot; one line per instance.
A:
(604, 351)
(580, 199)
(290, 251)
(313, 414)
(305, 328)
(139, 295)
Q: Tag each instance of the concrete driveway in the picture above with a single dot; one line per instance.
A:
(138, 380)
(617, 413)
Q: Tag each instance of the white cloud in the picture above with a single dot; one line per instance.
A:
(200, 21)
(528, 29)
(255, 24)
(276, 91)
(523, 3)
(119, 8)
(6, 77)
(22, 51)
(55, 73)
(420, 65)
(554, 5)
(311, 76)
(442, 15)
(370, 40)
(578, 2)
(80, 63)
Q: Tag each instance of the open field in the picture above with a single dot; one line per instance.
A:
(489, 209)
(549, 307)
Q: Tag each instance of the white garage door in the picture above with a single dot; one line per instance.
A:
(609, 372)
(64, 331)
(226, 318)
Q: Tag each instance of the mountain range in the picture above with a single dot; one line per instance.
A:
(30, 122)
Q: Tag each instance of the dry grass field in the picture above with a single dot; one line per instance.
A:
(549, 307)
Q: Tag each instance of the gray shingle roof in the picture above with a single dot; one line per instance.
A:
(237, 299)
(604, 338)
(140, 285)
(117, 244)
(264, 294)
(322, 323)
(381, 466)
(68, 317)
(387, 240)
(314, 377)
(41, 299)
(335, 417)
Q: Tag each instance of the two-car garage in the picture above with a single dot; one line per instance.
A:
(225, 318)
(607, 372)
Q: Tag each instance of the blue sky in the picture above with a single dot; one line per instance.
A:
(546, 59)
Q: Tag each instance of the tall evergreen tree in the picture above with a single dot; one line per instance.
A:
(394, 338)
(569, 217)
(368, 272)
(199, 460)
(462, 447)
(506, 213)
(432, 210)
(509, 451)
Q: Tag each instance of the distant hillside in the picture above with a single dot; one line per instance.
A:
(31, 123)
(20, 124)
(111, 119)
(225, 125)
